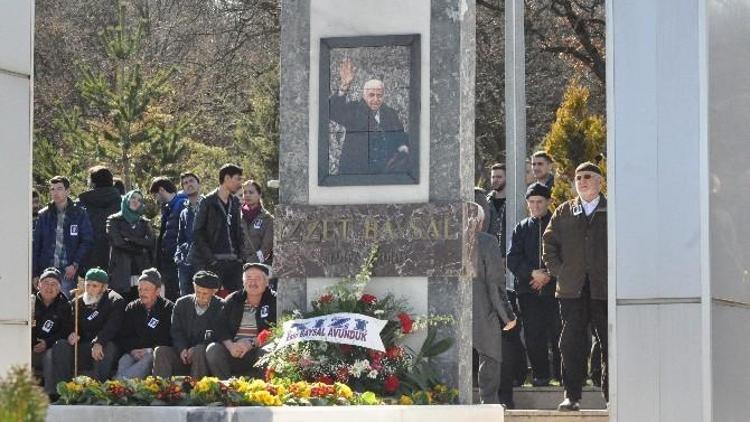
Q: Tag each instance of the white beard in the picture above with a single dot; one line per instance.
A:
(90, 299)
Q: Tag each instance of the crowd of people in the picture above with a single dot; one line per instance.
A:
(558, 260)
(190, 300)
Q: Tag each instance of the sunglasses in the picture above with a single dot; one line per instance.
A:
(584, 176)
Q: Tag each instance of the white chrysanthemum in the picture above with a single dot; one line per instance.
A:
(359, 367)
(373, 374)
(379, 312)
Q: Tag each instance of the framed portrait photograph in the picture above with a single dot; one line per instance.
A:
(369, 110)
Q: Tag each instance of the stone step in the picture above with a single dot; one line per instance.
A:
(547, 398)
(555, 416)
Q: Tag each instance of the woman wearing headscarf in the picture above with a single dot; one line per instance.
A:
(131, 242)
(259, 222)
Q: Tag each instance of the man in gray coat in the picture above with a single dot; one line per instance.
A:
(490, 306)
(193, 327)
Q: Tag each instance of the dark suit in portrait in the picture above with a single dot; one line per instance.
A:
(375, 141)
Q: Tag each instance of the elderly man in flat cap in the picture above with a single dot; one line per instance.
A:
(53, 321)
(194, 322)
(100, 311)
(145, 326)
(575, 251)
(535, 287)
(245, 313)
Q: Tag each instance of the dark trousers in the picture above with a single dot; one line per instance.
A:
(230, 274)
(513, 367)
(185, 274)
(488, 379)
(541, 325)
(222, 365)
(168, 271)
(576, 315)
(167, 362)
(62, 361)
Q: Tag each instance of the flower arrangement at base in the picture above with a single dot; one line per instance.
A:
(387, 372)
(209, 391)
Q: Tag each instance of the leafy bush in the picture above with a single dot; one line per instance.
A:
(21, 400)
(576, 135)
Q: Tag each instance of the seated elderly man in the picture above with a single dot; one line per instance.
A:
(245, 313)
(145, 326)
(193, 326)
(100, 312)
(53, 321)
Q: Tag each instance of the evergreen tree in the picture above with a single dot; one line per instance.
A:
(576, 135)
(124, 122)
(256, 138)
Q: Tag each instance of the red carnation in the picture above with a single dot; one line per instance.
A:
(393, 352)
(342, 375)
(325, 379)
(327, 298)
(263, 337)
(368, 299)
(391, 384)
(406, 322)
(375, 356)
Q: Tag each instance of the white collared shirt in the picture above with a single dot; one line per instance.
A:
(589, 207)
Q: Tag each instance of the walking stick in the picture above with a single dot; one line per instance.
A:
(75, 330)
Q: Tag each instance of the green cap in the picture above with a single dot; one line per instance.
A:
(97, 274)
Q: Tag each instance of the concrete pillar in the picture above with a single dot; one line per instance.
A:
(677, 106)
(16, 52)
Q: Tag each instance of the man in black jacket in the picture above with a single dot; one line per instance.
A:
(100, 202)
(53, 321)
(145, 326)
(535, 287)
(220, 239)
(245, 314)
(99, 318)
(194, 324)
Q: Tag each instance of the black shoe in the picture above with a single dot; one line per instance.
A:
(569, 405)
(509, 405)
(540, 382)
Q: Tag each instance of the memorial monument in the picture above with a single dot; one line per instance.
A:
(377, 147)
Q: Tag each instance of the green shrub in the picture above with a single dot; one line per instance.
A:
(21, 400)
(576, 135)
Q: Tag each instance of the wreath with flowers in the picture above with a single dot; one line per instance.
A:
(397, 370)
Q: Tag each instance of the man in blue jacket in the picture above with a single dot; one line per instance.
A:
(172, 204)
(191, 185)
(63, 236)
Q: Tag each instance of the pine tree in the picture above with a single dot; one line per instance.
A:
(124, 123)
(576, 135)
(256, 138)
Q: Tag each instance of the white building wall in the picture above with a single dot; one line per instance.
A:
(729, 171)
(16, 32)
(657, 340)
